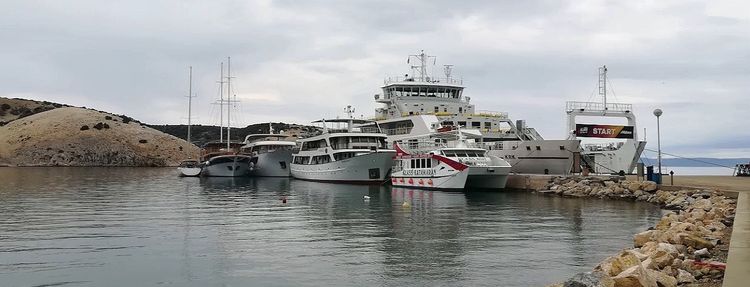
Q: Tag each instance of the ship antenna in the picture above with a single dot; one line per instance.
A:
(448, 69)
(603, 84)
(421, 69)
(349, 110)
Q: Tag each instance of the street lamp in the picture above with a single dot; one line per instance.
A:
(657, 113)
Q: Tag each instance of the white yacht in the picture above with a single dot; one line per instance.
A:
(271, 154)
(420, 103)
(190, 167)
(622, 153)
(433, 162)
(346, 151)
(223, 161)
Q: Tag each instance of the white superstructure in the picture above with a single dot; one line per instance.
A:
(436, 162)
(420, 103)
(619, 155)
(271, 155)
(346, 151)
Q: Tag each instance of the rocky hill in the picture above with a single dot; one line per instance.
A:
(48, 134)
(201, 134)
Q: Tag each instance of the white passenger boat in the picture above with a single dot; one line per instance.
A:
(346, 151)
(271, 155)
(436, 163)
(420, 103)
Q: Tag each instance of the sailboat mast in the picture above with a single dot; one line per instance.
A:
(229, 99)
(221, 104)
(190, 100)
(603, 84)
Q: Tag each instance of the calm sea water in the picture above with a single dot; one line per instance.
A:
(693, 170)
(147, 227)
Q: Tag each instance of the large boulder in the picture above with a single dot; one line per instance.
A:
(704, 204)
(648, 185)
(662, 279)
(635, 276)
(641, 238)
(694, 241)
(616, 264)
(684, 277)
(589, 279)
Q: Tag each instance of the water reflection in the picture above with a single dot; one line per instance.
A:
(148, 227)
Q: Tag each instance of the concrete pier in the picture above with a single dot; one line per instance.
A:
(738, 262)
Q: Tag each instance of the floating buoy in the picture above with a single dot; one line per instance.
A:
(406, 204)
(366, 198)
(283, 200)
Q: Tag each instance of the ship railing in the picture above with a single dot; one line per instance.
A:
(490, 114)
(603, 147)
(432, 80)
(598, 106)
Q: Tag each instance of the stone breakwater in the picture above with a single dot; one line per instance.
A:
(687, 247)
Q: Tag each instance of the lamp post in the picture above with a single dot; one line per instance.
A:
(657, 113)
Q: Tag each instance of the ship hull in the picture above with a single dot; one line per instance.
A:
(272, 164)
(369, 168)
(227, 166)
(540, 156)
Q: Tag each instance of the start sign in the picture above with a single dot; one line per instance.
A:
(604, 131)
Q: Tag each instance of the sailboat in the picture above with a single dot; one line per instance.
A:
(190, 167)
(218, 159)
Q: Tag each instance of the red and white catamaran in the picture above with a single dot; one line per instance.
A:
(436, 163)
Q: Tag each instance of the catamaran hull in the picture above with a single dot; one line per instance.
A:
(540, 156)
(369, 168)
(493, 177)
(272, 164)
(452, 181)
(234, 167)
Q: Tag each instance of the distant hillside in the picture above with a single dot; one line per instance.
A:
(37, 133)
(201, 134)
(700, 161)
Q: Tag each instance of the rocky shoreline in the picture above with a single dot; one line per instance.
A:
(687, 247)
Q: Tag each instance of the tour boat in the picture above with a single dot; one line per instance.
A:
(224, 158)
(346, 151)
(218, 160)
(420, 103)
(433, 162)
(271, 155)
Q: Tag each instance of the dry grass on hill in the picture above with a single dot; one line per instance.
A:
(69, 136)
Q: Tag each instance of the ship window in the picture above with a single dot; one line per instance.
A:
(445, 110)
(562, 147)
(487, 125)
(476, 124)
(462, 124)
(412, 164)
(460, 110)
(538, 148)
(528, 148)
(437, 109)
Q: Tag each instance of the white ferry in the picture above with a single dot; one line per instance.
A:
(435, 163)
(623, 149)
(347, 151)
(271, 154)
(420, 104)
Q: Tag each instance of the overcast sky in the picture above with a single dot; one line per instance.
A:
(296, 61)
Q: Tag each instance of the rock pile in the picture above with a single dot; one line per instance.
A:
(687, 245)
